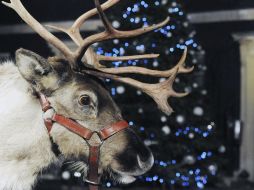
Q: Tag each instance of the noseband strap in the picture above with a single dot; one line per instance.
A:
(93, 177)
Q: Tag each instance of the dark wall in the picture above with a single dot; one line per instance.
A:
(223, 79)
(223, 61)
(71, 9)
(211, 5)
(40, 9)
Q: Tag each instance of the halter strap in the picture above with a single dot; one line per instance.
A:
(73, 126)
(93, 178)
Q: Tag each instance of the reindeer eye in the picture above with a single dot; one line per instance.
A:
(84, 100)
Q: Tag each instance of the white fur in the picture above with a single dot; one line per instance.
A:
(25, 147)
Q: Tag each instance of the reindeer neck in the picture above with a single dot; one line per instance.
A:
(25, 147)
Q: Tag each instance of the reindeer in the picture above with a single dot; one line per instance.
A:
(71, 87)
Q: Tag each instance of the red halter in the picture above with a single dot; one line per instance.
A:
(93, 178)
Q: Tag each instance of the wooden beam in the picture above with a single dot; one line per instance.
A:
(89, 26)
(247, 102)
(222, 16)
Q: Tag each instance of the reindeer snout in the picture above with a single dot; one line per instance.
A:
(145, 163)
(137, 158)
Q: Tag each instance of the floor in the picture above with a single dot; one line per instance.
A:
(58, 185)
(79, 188)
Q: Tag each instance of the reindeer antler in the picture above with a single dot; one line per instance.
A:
(160, 92)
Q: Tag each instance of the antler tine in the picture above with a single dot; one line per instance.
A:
(127, 58)
(93, 60)
(111, 33)
(160, 92)
(74, 31)
(18, 7)
(87, 15)
(108, 27)
(140, 70)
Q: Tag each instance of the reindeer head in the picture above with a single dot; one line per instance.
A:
(84, 99)
(72, 85)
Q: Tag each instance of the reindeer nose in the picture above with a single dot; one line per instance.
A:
(145, 163)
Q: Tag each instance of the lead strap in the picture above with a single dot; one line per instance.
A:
(93, 178)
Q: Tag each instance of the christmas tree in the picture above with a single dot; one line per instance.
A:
(185, 144)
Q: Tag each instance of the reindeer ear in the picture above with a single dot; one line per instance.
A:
(36, 70)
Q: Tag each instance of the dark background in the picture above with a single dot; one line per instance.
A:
(222, 51)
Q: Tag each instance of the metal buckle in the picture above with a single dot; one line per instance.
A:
(49, 114)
